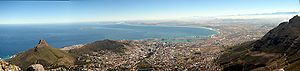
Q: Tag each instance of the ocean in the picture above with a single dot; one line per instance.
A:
(17, 38)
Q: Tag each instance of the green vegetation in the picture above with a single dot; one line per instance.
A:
(101, 45)
(45, 55)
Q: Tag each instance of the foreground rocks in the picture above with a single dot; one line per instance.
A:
(36, 67)
(4, 66)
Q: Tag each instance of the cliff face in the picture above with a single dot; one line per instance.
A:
(4, 66)
(45, 55)
(278, 49)
(281, 38)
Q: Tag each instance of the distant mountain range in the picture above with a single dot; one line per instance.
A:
(277, 50)
(273, 16)
(274, 13)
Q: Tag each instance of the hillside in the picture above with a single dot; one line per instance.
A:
(277, 50)
(109, 45)
(43, 54)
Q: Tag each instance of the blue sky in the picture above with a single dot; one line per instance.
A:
(22, 12)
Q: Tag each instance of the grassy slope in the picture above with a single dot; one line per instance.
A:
(100, 45)
(46, 56)
(241, 57)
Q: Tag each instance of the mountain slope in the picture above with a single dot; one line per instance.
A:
(43, 54)
(100, 45)
(278, 49)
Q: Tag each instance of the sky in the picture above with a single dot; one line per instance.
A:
(34, 11)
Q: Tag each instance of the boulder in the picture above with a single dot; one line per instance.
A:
(36, 67)
(4, 66)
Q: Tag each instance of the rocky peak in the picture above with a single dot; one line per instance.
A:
(294, 22)
(281, 37)
(42, 43)
(295, 19)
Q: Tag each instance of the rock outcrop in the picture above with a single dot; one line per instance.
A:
(36, 67)
(42, 43)
(4, 66)
(278, 49)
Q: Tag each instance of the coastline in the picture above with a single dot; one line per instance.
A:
(216, 32)
(9, 57)
(205, 50)
(188, 26)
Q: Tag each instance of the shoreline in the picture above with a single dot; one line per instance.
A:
(9, 57)
(204, 50)
(145, 39)
(217, 30)
(186, 26)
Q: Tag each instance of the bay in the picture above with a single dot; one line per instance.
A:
(17, 38)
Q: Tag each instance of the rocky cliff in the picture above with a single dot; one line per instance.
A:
(277, 50)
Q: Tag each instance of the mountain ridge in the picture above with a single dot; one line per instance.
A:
(278, 49)
(43, 54)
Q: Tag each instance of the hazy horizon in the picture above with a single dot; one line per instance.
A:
(24, 12)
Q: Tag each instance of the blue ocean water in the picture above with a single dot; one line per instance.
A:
(16, 38)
